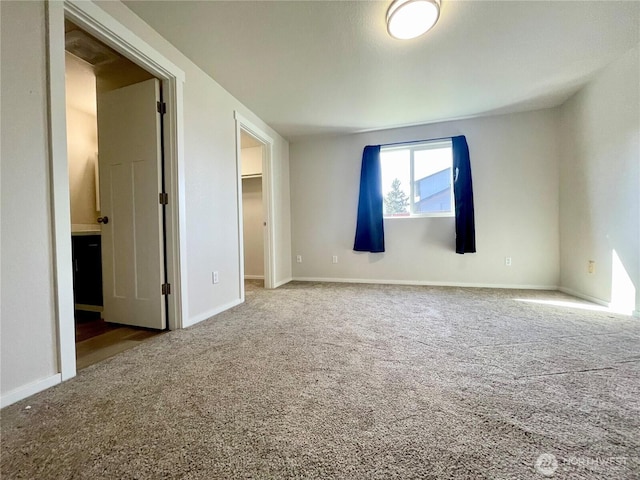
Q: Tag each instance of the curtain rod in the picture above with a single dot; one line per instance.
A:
(416, 141)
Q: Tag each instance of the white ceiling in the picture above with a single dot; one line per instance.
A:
(327, 67)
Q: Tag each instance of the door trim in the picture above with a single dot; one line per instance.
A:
(267, 201)
(103, 26)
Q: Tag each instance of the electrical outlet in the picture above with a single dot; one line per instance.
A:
(334, 259)
(215, 278)
(507, 261)
(299, 258)
(591, 267)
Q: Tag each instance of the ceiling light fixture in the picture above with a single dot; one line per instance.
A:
(411, 18)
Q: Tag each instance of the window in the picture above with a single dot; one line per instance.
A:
(417, 179)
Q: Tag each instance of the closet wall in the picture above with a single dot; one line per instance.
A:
(252, 212)
(82, 140)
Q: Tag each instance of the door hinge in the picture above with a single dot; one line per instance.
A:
(162, 107)
(163, 198)
(166, 289)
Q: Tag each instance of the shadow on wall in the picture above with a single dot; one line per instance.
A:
(373, 257)
(441, 232)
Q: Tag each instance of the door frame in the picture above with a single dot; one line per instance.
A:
(267, 201)
(104, 27)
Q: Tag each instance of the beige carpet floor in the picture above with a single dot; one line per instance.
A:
(352, 382)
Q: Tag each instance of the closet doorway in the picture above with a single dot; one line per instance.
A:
(251, 159)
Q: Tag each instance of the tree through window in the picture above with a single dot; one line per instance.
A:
(417, 179)
(396, 201)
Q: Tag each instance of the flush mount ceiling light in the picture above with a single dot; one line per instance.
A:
(411, 18)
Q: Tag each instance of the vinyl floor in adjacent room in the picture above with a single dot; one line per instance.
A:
(97, 340)
(344, 381)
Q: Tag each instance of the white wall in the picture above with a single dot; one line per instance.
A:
(252, 213)
(600, 183)
(27, 323)
(514, 161)
(281, 222)
(29, 347)
(82, 139)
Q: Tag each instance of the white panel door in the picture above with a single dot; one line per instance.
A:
(129, 152)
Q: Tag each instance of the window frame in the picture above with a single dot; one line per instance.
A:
(421, 146)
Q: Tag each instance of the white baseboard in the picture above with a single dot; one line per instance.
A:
(211, 313)
(583, 296)
(88, 308)
(599, 301)
(425, 283)
(254, 277)
(32, 388)
(282, 282)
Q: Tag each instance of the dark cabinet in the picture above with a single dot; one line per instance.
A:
(87, 270)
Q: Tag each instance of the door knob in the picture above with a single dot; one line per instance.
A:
(104, 220)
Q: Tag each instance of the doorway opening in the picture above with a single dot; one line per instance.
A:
(97, 22)
(253, 223)
(256, 235)
(103, 192)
